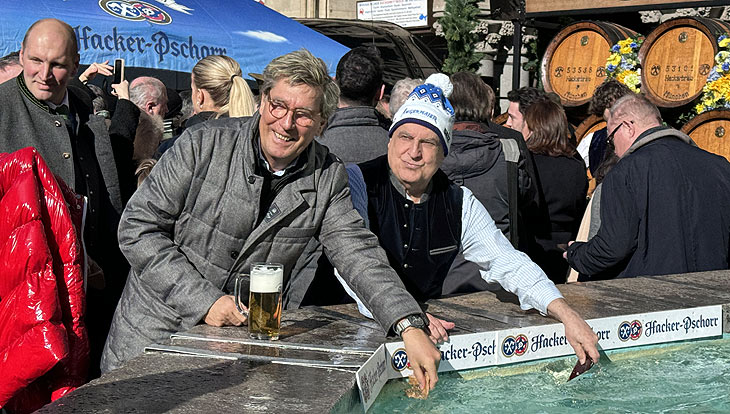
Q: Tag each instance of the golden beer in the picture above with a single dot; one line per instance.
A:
(264, 315)
(264, 303)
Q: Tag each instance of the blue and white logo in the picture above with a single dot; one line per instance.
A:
(629, 330)
(135, 11)
(514, 345)
(400, 359)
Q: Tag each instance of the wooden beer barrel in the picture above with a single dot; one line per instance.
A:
(677, 57)
(501, 119)
(591, 124)
(574, 62)
(711, 131)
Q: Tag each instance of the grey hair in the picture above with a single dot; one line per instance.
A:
(10, 60)
(638, 107)
(145, 89)
(301, 67)
(400, 92)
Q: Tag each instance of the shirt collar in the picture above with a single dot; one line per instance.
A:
(402, 190)
(64, 102)
(265, 164)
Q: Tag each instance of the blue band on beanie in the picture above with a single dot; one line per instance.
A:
(428, 125)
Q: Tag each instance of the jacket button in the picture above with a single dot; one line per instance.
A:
(57, 123)
(234, 255)
(405, 266)
(405, 205)
(251, 179)
(405, 246)
(66, 155)
(405, 226)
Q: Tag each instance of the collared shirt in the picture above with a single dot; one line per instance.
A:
(483, 244)
(64, 102)
(266, 165)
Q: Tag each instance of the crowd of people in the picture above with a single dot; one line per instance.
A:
(387, 203)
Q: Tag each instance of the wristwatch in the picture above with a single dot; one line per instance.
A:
(416, 320)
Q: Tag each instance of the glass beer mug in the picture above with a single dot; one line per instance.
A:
(264, 300)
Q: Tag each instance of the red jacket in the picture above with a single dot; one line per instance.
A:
(44, 349)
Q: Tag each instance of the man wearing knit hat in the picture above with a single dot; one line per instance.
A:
(423, 220)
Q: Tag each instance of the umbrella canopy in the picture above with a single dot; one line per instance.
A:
(170, 34)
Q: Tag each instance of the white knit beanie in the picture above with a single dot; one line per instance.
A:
(428, 105)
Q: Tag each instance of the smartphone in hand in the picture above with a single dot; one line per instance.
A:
(118, 71)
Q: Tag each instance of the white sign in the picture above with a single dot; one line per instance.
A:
(485, 349)
(372, 376)
(405, 13)
(548, 341)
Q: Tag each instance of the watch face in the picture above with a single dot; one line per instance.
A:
(416, 321)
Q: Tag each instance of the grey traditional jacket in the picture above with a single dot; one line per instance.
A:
(27, 122)
(191, 227)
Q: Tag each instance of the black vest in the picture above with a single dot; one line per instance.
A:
(421, 240)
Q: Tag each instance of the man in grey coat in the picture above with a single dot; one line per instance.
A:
(39, 109)
(243, 190)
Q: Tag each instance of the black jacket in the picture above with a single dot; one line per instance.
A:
(665, 208)
(563, 187)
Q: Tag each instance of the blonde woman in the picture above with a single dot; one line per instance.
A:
(219, 90)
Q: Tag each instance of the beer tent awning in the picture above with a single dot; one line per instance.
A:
(170, 34)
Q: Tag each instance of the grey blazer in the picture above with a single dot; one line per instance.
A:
(191, 227)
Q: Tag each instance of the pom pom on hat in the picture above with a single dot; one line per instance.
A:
(428, 106)
(442, 81)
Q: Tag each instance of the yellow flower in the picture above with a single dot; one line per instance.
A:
(625, 50)
(614, 59)
(625, 43)
(632, 78)
(724, 42)
(699, 108)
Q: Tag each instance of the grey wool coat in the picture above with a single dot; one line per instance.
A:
(191, 227)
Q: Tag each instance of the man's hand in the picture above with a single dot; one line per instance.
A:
(438, 328)
(224, 312)
(579, 335)
(94, 69)
(121, 89)
(423, 357)
(565, 253)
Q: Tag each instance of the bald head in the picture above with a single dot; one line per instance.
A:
(50, 58)
(57, 28)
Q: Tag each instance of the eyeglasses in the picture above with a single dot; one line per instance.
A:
(615, 130)
(301, 117)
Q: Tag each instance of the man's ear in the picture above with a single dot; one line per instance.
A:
(632, 129)
(149, 106)
(76, 61)
(20, 57)
(382, 92)
(322, 126)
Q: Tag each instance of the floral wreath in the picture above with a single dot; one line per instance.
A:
(623, 63)
(716, 92)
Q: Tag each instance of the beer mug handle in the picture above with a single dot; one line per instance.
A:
(237, 297)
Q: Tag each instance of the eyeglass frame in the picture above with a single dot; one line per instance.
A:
(615, 130)
(297, 114)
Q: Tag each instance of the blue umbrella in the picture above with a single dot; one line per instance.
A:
(170, 34)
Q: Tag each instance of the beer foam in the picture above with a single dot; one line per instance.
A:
(266, 280)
